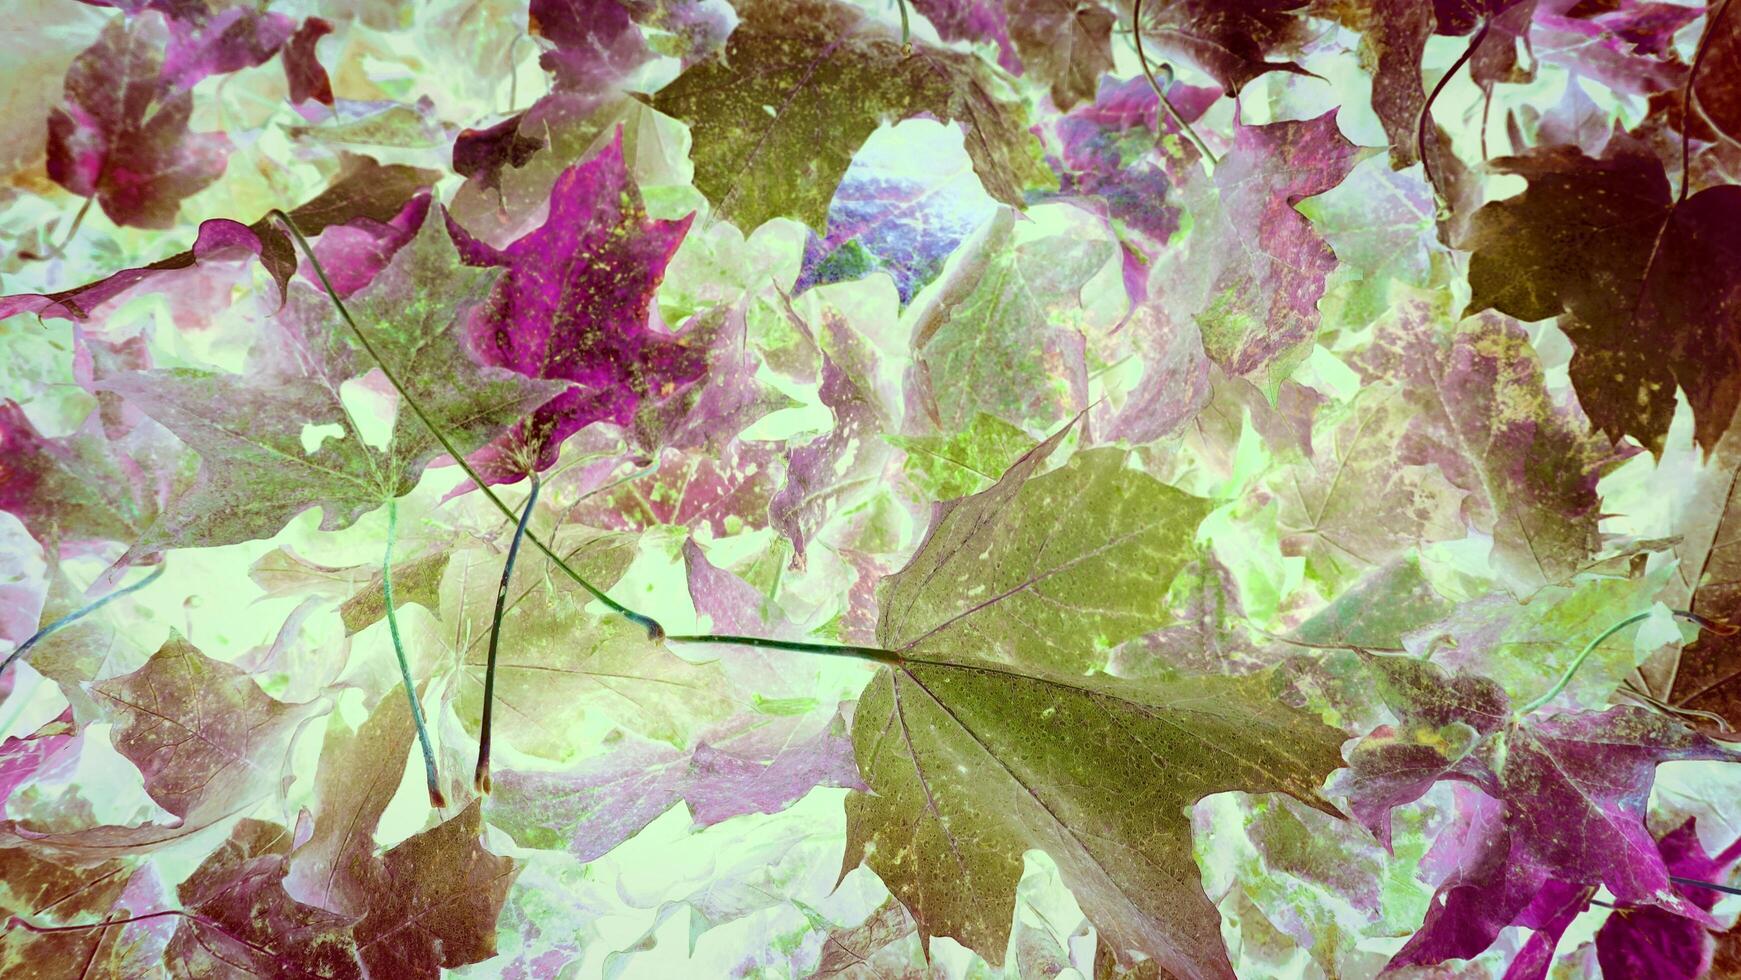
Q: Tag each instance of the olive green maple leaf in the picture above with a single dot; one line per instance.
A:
(802, 84)
(991, 733)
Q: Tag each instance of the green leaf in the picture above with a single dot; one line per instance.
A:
(1001, 331)
(995, 737)
(1049, 572)
(802, 84)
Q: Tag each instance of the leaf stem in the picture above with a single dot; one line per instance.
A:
(29, 926)
(79, 614)
(436, 799)
(655, 632)
(78, 219)
(874, 654)
(1427, 106)
(1142, 58)
(1696, 883)
(481, 775)
(1687, 98)
(906, 32)
(1589, 648)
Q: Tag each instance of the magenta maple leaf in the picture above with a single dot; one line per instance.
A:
(574, 306)
(1253, 269)
(973, 20)
(1645, 941)
(121, 135)
(1559, 809)
(596, 41)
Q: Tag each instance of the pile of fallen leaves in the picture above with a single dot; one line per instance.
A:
(649, 488)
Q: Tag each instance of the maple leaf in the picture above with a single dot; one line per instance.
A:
(215, 41)
(1381, 223)
(884, 945)
(1009, 599)
(1229, 42)
(22, 757)
(1706, 675)
(841, 326)
(573, 305)
(833, 75)
(1648, 941)
(201, 731)
(1644, 281)
(83, 487)
(121, 136)
(256, 473)
(302, 69)
(1067, 43)
(751, 761)
(356, 780)
(480, 154)
(1256, 266)
(1559, 810)
(595, 42)
(208, 742)
(42, 892)
(1628, 46)
(244, 923)
(724, 491)
(1119, 154)
(433, 901)
(948, 466)
(1355, 504)
(988, 335)
(1393, 38)
(1481, 412)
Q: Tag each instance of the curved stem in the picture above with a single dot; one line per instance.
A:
(906, 32)
(436, 799)
(481, 775)
(1142, 58)
(655, 632)
(78, 219)
(1589, 648)
(1687, 96)
(1427, 107)
(79, 614)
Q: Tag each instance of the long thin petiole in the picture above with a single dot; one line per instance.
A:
(654, 630)
(1427, 107)
(874, 654)
(436, 799)
(1142, 58)
(1589, 648)
(1696, 883)
(79, 614)
(481, 775)
(1711, 24)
